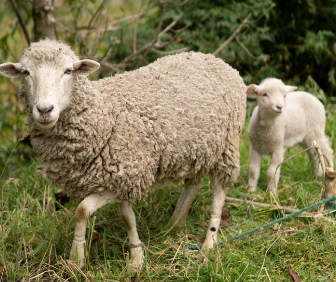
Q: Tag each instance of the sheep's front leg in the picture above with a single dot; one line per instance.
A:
(273, 172)
(255, 162)
(86, 208)
(218, 198)
(184, 203)
(137, 255)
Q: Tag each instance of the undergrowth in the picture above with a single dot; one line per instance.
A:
(35, 239)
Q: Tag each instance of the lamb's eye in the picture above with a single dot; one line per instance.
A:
(265, 94)
(68, 71)
(25, 72)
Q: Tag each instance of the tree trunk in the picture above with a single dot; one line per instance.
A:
(43, 15)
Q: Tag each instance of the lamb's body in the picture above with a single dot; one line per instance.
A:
(177, 118)
(300, 120)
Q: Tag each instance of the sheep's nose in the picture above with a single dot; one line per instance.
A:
(45, 110)
(279, 107)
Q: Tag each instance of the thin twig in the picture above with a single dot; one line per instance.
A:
(108, 27)
(136, 28)
(177, 5)
(233, 35)
(171, 52)
(156, 36)
(263, 13)
(22, 24)
(246, 50)
(170, 25)
(113, 67)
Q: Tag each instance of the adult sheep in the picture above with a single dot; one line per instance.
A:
(284, 118)
(109, 141)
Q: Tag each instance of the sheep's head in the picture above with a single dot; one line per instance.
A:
(48, 67)
(271, 95)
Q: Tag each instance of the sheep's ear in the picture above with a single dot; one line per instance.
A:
(252, 91)
(85, 67)
(290, 88)
(11, 70)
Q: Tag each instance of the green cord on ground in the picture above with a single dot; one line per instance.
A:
(199, 246)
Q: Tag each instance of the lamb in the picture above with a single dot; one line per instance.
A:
(109, 141)
(282, 119)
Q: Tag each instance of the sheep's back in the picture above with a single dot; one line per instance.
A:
(177, 118)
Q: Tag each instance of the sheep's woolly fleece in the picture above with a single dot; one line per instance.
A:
(177, 118)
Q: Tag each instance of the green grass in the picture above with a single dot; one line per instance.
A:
(35, 240)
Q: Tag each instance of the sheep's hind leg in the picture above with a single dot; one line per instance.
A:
(218, 199)
(86, 208)
(184, 203)
(323, 142)
(137, 255)
(313, 157)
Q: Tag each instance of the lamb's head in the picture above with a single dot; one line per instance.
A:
(271, 95)
(49, 68)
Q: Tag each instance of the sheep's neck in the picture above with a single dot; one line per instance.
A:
(267, 119)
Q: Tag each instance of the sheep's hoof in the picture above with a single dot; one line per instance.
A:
(253, 189)
(273, 190)
(137, 259)
(77, 253)
(75, 266)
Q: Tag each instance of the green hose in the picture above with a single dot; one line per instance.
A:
(199, 246)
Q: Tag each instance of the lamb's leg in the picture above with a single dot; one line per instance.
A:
(312, 155)
(255, 162)
(273, 172)
(326, 151)
(86, 208)
(184, 203)
(218, 198)
(128, 215)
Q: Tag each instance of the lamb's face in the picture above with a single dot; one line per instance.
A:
(271, 95)
(48, 79)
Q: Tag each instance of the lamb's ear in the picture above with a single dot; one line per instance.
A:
(11, 70)
(290, 88)
(252, 91)
(85, 67)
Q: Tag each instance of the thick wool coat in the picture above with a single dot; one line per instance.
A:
(177, 118)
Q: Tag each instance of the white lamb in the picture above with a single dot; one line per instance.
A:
(282, 119)
(109, 141)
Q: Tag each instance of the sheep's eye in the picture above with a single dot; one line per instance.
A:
(25, 72)
(265, 94)
(68, 71)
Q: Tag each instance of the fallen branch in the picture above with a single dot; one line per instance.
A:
(285, 209)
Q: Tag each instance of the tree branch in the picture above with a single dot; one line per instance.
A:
(246, 50)
(233, 35)
(22, 24)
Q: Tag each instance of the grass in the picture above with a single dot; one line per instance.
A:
(35, 239)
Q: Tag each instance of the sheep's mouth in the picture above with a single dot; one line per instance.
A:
(45, 124)
(277, 111)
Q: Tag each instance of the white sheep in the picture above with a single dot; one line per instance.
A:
(282, 119)
(109, 141)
